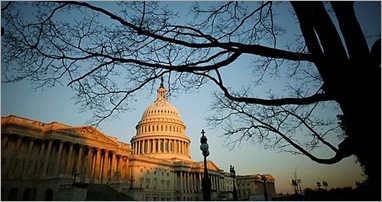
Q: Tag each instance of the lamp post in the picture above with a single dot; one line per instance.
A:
(206, 182)
(233, 175)
(264, 179)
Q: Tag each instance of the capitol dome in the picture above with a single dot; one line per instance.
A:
(161, 132)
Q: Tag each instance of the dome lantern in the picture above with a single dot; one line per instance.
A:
(161, 91)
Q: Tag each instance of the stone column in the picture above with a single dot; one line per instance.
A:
(184, 148)
(79, 166)
(59, 158)
(123, 169)
(139, 147)
(113, 165)
(89, 164)
(214, 181)
(160, 146)
(47, 157)
(149, 146)
(143, 146)
(181, 147)
(106, 166)
(13, 159)
(193, 182)
(167, 147)
(189, 187)
(181, 181)
(178, 145)
(132, 148)
(200, 181)
(26, 164)
(39, 159)
(155, 145)
(119, 165)
(97, 163)
(70, 160)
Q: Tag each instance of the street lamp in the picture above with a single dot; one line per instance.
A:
(264, 179)
(206, 183)
(233, 175)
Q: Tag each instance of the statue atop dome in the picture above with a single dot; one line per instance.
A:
(161, 91)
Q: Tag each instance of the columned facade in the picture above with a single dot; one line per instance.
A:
(42, 153)
(42, 161)
(161, 132)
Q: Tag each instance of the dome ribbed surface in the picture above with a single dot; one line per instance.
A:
(160, 109)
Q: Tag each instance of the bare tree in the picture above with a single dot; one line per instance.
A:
(108, 53)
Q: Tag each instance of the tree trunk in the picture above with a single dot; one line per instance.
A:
(352, 78)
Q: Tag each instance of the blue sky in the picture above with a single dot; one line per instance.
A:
(56, 104)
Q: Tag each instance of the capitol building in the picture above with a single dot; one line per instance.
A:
(54, 161)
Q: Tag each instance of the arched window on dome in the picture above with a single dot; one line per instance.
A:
(157, 128)
(153, 128)
(148, 128)
(173, 128)
(161, 128)
(171, 146)
(166, 128)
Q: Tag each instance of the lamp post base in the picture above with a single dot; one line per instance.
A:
(206, 188)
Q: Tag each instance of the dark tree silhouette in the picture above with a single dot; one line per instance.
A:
(92, 47)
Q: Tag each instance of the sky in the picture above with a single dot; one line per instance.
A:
(56, 104)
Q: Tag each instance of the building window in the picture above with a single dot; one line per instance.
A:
(147, 183)
(162, 184)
